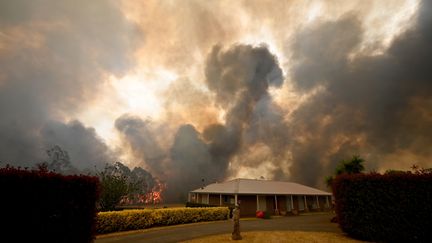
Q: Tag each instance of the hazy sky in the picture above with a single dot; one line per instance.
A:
(213, 90)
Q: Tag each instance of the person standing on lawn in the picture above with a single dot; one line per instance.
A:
(236, 218)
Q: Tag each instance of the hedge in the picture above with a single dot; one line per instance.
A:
(134, 219)
(42, 206)
(203, 205)
(385, 208)
(199, 205)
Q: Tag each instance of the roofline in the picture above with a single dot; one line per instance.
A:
(236, 185)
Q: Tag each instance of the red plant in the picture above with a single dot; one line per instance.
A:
(260, 214)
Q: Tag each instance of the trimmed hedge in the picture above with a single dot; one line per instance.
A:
(199, 205)
(42, 206)
(387, 208)
(108, 222)
(203, 205)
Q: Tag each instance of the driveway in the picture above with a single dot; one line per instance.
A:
(312, 222)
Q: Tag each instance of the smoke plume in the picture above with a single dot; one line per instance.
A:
(54, 57)
(377, 106)
(217, 90)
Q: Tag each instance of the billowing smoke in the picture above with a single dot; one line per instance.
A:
(192, 164)
(241, 78)
(54, 57)
(321, 87)
(377, 106)
(82, 143)
(141, 140)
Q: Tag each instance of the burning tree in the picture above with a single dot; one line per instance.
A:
(142, 187)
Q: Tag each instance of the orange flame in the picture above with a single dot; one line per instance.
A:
(154, 196)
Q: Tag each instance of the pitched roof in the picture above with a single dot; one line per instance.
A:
(254, 186)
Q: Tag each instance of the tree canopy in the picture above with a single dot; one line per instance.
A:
(349, 166)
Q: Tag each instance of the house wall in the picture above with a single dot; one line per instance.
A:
(202, 198)
(228, 200)
(248, 205)
(270, 201)
(311, 203)
(281, 204)
(323, 202)
(301, 203)
(214, 199)
(296, 203)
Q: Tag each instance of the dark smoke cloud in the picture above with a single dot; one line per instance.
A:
(140, 138)
(375, 105)
(240, 78)
(53, 55)
(82, 143)
(192, 162)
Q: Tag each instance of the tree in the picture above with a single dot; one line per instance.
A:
(351, 166)
(114, 187)
(121, 185)
(58, 161)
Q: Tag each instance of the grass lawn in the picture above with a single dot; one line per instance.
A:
(279, 236)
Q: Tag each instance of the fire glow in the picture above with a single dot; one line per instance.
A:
(153, 196)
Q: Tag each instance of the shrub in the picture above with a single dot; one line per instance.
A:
(199, 205)
(390, 208)
(108, 222)
(42, 206)
(267, 215)
(259, 214)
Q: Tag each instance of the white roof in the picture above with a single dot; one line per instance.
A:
(254, 186)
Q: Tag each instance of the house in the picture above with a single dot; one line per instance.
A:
(275, 197)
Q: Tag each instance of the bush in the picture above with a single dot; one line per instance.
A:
(42, 206)
(259, 214)
(262, 214)
(389, 208)
(199, 205)
(267, 215)
(108, 222)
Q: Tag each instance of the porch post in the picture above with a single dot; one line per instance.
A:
(220, 199)
(235, 199)
(257, 202)
(276, 202)
(305, 202)
(292, 203)
(318, 202)
(327, 201)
